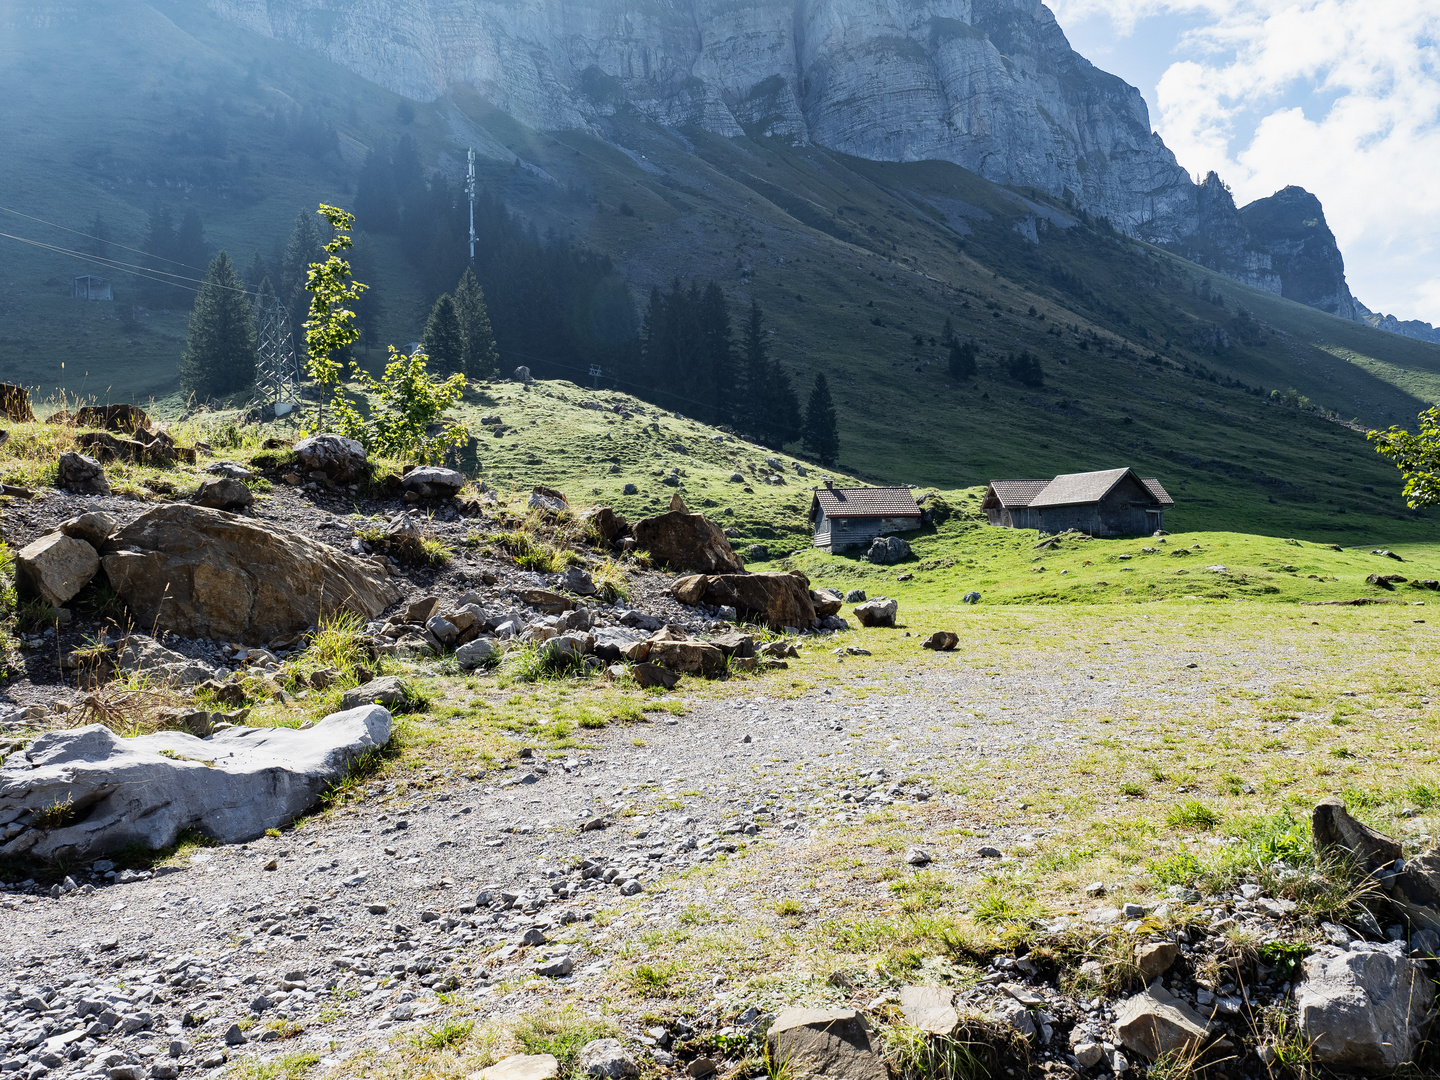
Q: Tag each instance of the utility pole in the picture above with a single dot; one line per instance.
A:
(277, 368)
(470, 191)
(595, 374)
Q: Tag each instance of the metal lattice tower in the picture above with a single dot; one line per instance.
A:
(277, 367)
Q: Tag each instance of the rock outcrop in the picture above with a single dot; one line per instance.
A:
(992, 85)
(776, 600)
(85, 792)
(687, 542)
(206, 573)
(1364, 1008)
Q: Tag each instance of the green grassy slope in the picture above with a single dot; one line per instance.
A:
(851, 259)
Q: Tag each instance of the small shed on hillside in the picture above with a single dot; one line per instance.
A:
(1110, 503)
(852, 517)
(88, 287)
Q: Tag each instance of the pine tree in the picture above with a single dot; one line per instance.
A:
(302, 249)
(717, 345)
(159, 291)
(219, 357)
(783, 421)
(822, 433)
(1026, 369)
(443, 341)
(191, 252)
(947, 335)
(255, 273)
(481, 359)
(962, 360)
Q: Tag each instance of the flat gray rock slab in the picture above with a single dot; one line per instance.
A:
(232, 786)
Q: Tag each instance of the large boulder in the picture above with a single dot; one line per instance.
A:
(81, 475)
(55, 567)
(1156, 1022)
(224, 493)
(145, 655)
(687, 543)
(832, 1043)
(687, 655)
(887, 550)
(777, 600)
(116, 792)
(1364, 1009)
(827, 602)
(431, 481)
(205, 573)
(608, 525)
(338, 458)
(1332, 827)
(878, 612)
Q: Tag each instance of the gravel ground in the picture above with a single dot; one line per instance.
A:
(351, 925)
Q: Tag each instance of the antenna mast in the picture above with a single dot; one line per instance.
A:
(470, 191)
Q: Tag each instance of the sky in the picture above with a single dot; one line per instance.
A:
(1341, 97)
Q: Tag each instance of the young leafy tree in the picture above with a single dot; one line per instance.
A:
(331, 325)
(443, 341)
(1417, 456)
(481, 358)
(962, 359)
(219, 357)
(407, 401)
(822, 432)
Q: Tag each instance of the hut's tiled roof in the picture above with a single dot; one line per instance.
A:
(1074, 488)
(867, 502)
(1161, 495)
(1012, 494)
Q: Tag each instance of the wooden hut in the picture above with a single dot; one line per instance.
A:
(1110, 503)
(852, 517)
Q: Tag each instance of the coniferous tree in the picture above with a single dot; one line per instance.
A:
(302, 249)
(947, 335)
(255, 273)
(717, 347)
(219, 357)
(1025, 369)
(191, 253)
(962, 360)
(443, 341)
(822, 432)
(481, 359)
(159, 291)
(783, 421)
(100, 237)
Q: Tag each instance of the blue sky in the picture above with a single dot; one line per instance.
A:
(1341, 97)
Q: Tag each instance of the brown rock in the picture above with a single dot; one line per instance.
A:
(546, 602)
(830, 1043)
(687, 542)
(419, 612)
(735, 644)
(15, 403)
(827, 602)
(94, 527)
(1155, 958)
(224, 493)
(607, 523)
(777, 600)
(690, 590)
(677, 504)
(941, 641)
(693, 657)
(1333, 827)
(55, 567)
(1156, 1022)
(124, 419)
(205, 573)
(648, 675)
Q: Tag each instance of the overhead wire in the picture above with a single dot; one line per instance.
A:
(77, 232)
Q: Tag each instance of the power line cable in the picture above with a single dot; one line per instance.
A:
(77, 232)
(162, 276)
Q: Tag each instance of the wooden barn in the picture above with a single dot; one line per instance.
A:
(852, 517)
(89, 287)
(1111, 503)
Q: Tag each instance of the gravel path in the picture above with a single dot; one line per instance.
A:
(350, 925)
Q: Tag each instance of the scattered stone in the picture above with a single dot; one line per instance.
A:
(878, 612)
(941, 641)
(1156, 1022)
(522, 1067)
(607, 1058)
(855, 596)
(829, 1043)
(1155, 958)
(930, 1008)
(917, 857)
(223, 493)
(94, 527)
(1364, 1009)
(341, 460)
(433, 482)
(478, 653)
(387, 690)
(235, 1037)
(887, 550)
(81, 475)
(55, 568)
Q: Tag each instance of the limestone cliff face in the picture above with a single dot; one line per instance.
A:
(1290, 227)
(992, 85)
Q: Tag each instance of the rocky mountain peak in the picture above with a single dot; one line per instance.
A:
(1290, 225)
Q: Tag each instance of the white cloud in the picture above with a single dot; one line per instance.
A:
(1341, 97)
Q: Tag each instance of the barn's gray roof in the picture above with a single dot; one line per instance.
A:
(1012, 494)
(867, 502)
(1161, 495)
(1075, 488)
